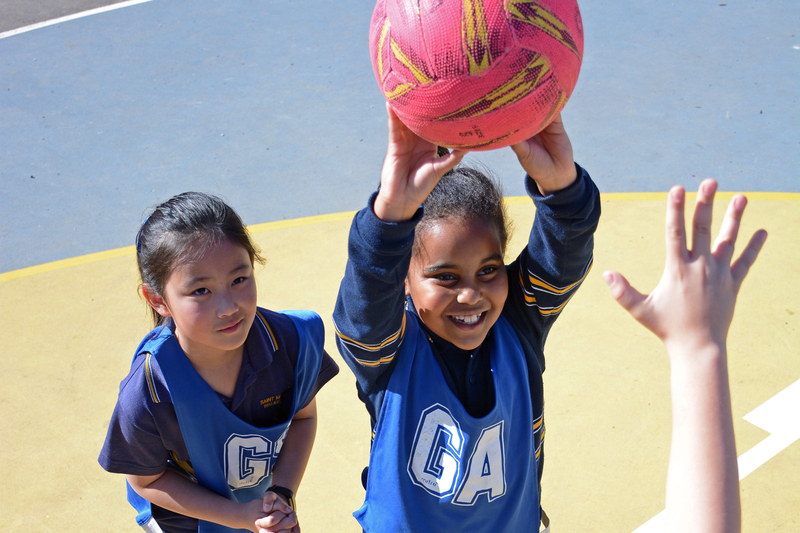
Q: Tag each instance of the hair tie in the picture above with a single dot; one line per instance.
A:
(139, 235)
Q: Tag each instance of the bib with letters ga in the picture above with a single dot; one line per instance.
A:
(433, 467)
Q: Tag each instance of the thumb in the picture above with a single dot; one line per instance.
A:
(625, 295)
(444, 164)
(273, 503)
(521, 149)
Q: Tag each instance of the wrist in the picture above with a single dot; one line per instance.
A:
(558, 183)
(285, 494)
(696, 357)
(387, 211)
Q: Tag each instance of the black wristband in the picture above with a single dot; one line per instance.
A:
(283, 491)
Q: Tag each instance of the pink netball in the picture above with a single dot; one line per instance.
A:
(476, 74)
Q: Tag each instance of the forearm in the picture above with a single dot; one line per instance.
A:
(561, 238)
(691, 311)
(176, 493)
(558, 255)
(296, 449)
(370, 307)
(703, 480)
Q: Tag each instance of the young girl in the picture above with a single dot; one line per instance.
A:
(215, 422)
(447, 342)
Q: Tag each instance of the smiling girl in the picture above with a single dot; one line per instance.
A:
(447, 342)
(215, 422)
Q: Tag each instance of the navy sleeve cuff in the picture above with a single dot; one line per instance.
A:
(563, 197)
(382, 237)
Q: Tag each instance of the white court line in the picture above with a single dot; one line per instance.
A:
(70, 17)
(778, 416)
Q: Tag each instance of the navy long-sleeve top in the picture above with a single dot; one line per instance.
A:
(372, 308)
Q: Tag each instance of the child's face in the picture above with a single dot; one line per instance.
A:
(458, 280)
(213, 302)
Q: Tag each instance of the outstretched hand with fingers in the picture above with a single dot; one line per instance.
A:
(694, 301)
(691, 311)
(410, 171)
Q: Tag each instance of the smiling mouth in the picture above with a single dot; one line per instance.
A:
(232, 327)
(467, 320)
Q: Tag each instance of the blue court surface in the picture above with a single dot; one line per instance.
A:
(273, 106)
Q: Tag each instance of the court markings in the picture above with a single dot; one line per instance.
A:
(318, 219)
(74, 16)
(778, 417)
(102, 282)
(129, 250)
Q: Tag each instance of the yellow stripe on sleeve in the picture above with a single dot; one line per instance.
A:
(553, 310)
(538, 282)
(148, 372)
(374, 347)
(379, 362)
(529, 298)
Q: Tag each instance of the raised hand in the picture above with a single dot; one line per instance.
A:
(691, 311)
(547, 158)
(693, 303)
(410, 172)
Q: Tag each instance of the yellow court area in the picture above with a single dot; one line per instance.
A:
(71, 328)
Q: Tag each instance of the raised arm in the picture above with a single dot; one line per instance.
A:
(690, 311)
(559, 252)
(369, 316)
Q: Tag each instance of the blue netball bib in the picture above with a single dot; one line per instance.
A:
(229, 456)
(433, 467)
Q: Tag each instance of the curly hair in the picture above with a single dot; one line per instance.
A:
(465, 193)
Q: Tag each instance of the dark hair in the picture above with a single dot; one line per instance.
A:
(181, 229)
(465, 193)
